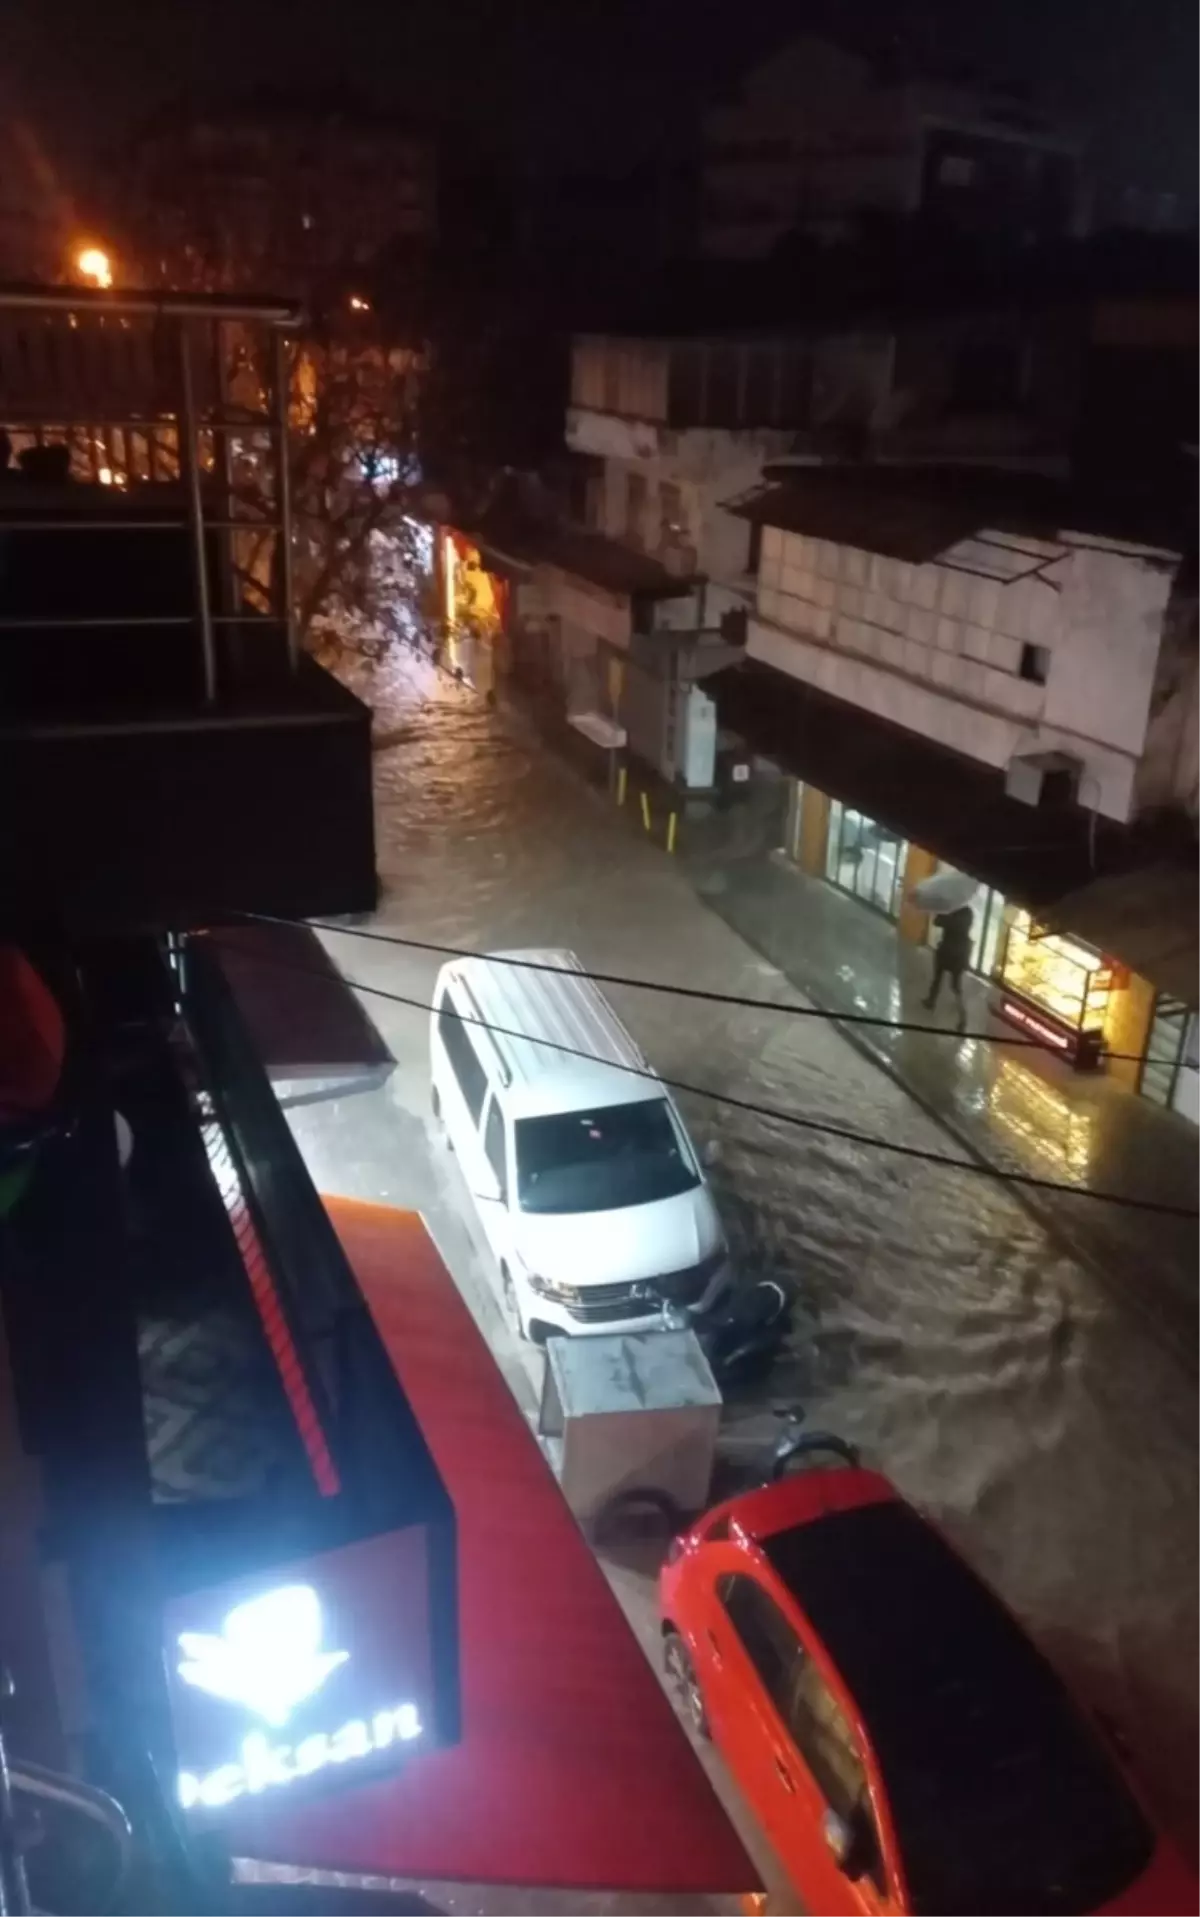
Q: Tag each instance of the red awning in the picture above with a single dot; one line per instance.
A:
(572, 1771)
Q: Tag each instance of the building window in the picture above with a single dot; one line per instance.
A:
(685, 385)
(672, 515)
(723, 369)
(635, 508)
(1035, 664)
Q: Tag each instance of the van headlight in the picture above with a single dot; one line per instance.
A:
(553, 1288)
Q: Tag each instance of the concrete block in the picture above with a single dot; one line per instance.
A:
(921, 625)
(903, 576)
(850, 602)
(827, 559)
(971, 679)
(985, 602)
(1004, 653)
(949, 635)
(925, 584)
(1012, 614)
(854, 566)
(943, 668)
(876, 607)
(796, 579)
(1043, 612)
(825, 591)
(772, 542)
(955, 594)
(976, 642)
(916, 659)
(891, 649)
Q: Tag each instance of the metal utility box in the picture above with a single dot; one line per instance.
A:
(628, 1414)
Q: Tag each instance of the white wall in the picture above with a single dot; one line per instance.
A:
(940, 652)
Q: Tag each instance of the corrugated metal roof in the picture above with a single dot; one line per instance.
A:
(919, 513)
(602, 562)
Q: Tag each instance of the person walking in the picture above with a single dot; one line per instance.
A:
(952, 957)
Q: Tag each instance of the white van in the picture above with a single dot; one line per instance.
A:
(585, 1181)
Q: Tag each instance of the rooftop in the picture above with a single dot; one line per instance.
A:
(578, 1035)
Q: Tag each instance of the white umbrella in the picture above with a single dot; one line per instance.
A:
(944, 892)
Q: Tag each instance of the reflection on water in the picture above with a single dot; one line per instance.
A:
(1029, 1407)
(1026, 1105)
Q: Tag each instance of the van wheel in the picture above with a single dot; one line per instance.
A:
(683, 1683)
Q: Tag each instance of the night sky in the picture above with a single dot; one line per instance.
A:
(582, 82)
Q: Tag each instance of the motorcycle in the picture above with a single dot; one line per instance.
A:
(742, 1333)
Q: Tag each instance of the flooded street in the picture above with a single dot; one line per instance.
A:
(1027, 1405)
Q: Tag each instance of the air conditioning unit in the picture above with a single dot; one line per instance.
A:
(1047, 779)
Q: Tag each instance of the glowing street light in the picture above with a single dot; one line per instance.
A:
(358, 304)
(94, 264)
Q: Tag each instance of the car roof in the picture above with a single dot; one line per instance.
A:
(559, 1045)
(804, 1496)
(972, 1730)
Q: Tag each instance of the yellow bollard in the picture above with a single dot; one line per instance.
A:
(645, 811)
(671, 823)
(622, 775)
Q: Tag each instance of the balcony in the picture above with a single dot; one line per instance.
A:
(167, 754)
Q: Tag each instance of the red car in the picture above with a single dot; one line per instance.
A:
(902, 1742)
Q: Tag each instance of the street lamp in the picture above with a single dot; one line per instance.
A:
(94, 264)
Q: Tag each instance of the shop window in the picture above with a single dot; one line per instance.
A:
(1035, 664)
(1069, 986)
(865, 859)
(1169, 1071)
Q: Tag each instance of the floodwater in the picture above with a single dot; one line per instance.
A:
(1024, 1401)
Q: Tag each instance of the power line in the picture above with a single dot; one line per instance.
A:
(773, 1112)
(670, 990)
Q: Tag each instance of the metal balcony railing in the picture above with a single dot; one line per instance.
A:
(169, 415)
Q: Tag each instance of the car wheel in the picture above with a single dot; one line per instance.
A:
(683, 1683)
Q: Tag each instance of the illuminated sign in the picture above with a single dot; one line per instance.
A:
(307, 1677)
(263, 1766)
(1035, 1026)
(268, 1656)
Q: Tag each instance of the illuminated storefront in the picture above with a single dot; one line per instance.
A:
(1058, 990)
(473, 604)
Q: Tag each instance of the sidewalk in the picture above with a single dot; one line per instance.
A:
(1012, 1107)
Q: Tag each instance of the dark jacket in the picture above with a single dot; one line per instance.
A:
(954, 948)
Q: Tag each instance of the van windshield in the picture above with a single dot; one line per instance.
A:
(603, 1160)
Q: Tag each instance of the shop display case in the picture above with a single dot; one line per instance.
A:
(1057, 990)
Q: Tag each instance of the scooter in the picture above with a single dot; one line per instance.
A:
(741, 1334)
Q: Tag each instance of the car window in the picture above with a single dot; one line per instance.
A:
(826, 1742)
(822, 1735)
(602, 1160)
(769, 1640)
(493, 1145)
(464, 1060)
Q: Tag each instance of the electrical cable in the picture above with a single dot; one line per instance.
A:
(776, 1113)
(669, 990)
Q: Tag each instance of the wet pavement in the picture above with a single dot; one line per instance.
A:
(1017, 1393)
